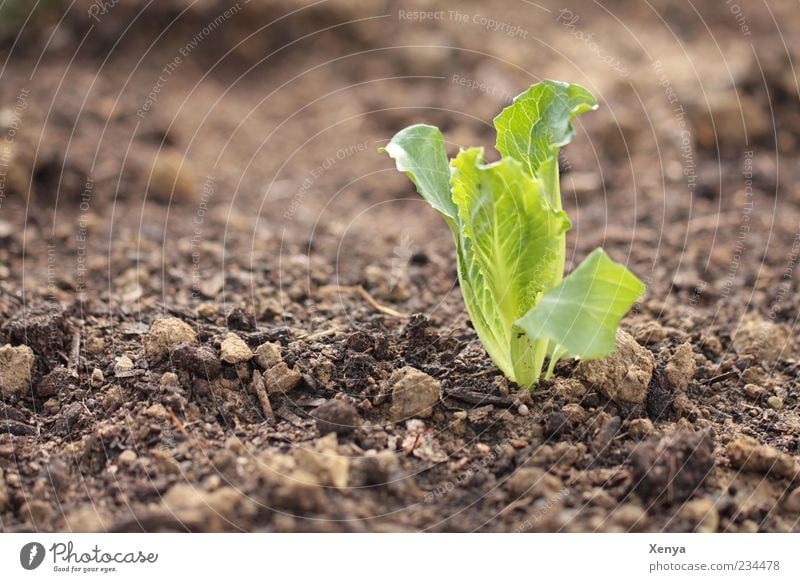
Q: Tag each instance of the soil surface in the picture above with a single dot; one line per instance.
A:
(222, 309)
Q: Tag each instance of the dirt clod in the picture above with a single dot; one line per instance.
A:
(681, 367)
(672, 468)
(762, 339)
(324, 462)
(623, 377)
(200, 361)
(60, 378)
(281, 379)
(234, 350)
(16, 365)
(165, 333)
(747, 454)
(337, 416)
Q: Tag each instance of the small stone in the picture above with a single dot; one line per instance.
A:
(523, 410)
(95, 345)
(16, 365)
(459, 422)
(127, 458)
(165, 333)
(792, 501)
(775, 402)
(123, 367)
(622, 377)
(414, 393)
(337, 416)
(681, 367)
(640, 428)
(268, 355)
(702, 514)
(97, 378)
(234, 350)
(281, 379)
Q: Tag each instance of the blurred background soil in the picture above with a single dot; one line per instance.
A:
(223, 309)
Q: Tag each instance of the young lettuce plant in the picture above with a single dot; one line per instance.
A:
(510, 233)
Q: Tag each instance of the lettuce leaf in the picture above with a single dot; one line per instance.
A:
(509, 229)
(581, 315)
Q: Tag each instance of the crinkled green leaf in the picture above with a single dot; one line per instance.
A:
(509, 230)
(538, 124)
(514, 235)
(581, 315)
(512, 227)
(418, 150)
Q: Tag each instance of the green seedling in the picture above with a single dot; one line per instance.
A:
(510, 233)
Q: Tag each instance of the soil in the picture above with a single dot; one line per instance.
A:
(216, 172)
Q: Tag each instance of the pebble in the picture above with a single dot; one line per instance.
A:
(165, 333)
(753, 391)
(281, 379)
(51, 405)
(268, 355)
(775, 402)
(523, 410)
(533, 481)
(97, 378)
(127, 458)
(640, 428)
(234, 350)
(172, 179)
(324, 462)
(16, 365)
(168, 379)
(123, 366)
(414, 393)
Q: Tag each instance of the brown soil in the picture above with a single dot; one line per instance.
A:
(246, 197)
